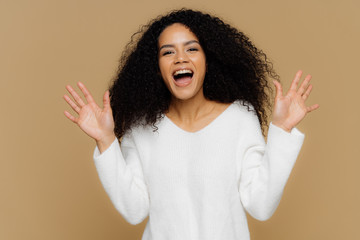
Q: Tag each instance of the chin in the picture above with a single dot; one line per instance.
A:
(184, 95)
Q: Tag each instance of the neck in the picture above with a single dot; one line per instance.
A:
(190, 110)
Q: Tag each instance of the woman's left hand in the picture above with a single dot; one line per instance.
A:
(290, 109)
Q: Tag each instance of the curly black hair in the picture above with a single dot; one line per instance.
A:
(236, 70)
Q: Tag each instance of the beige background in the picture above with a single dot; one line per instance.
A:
(48, 183)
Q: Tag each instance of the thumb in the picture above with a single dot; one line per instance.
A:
(279, 91)
(106, 100)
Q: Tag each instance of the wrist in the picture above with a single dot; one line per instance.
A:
(105, 142)
(283, 127)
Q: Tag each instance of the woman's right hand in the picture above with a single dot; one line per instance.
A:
(96, 122)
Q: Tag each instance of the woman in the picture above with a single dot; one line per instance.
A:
(189, 104)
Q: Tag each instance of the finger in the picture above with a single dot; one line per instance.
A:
(304, 85)
(106, 100)
(279, 90)
(71, 117)
(313, 107)
(307, 93)
(86, 92)
(296, 80)
(72, 104)
(77, 98)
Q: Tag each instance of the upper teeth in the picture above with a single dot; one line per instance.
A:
(182, 71)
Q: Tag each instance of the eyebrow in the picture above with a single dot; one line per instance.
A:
(171, 45)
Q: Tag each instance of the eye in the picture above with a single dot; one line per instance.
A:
(166, 53)
(193, 49)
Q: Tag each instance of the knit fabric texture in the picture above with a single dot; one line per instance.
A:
(198, 185)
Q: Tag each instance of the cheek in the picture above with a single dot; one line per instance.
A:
(163, 68)
(202, 68)
(164, 74)
(201, 62)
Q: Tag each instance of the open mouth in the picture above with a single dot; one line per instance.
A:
(183, 77)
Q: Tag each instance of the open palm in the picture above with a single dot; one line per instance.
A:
(290, 109)
(96, 122)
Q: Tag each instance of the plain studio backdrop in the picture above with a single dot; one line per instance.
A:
(48, 183)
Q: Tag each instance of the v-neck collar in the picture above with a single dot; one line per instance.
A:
(213, 122)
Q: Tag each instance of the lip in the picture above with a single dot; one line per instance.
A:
(186, 83)
(183, 68)
(183, 84)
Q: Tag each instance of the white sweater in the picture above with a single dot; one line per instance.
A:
(197, 186)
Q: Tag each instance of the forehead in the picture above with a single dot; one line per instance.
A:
(176, 33)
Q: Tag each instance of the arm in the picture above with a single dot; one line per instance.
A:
(119, 169)
(121, 175)
(266, 168)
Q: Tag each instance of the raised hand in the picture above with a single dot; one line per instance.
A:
(96, 122)
(290, 109)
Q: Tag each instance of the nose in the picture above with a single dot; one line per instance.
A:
(181, 57)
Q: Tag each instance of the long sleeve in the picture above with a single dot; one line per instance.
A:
(265, 168)
(199, 185)
(121, 175)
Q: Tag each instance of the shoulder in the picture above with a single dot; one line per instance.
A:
(245, 118)
(245, 111)
(248, 126)
(141, 132)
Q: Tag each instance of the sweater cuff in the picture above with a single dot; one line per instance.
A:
(279, 130)
(287, 143)
(98, 156)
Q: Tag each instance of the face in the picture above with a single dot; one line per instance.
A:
(182, 62)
